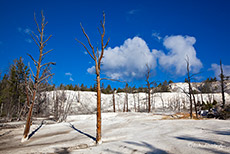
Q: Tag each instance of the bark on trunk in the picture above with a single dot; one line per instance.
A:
(114, 107)
(98, 138)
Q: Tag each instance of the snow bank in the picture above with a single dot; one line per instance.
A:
(85, 102)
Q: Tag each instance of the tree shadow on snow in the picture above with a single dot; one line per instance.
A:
(93, 138)
(153, 150)
(62, 151)
(212, 146)
(222, 132)
(32, 133)
(197, 140)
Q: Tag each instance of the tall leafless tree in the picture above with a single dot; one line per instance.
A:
(191, 92)
(189, 85)
(97, 57)
(37, 78)
(148, 84)
(222, 78)
(114, 103)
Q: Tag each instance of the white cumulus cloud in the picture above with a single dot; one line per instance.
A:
(216, 69)
(128, 60)
(180, 47)
(91, 70)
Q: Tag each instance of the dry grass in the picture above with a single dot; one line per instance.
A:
(181, 115)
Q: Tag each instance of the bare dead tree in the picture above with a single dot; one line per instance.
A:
(191, 92)
(138, 102)
(114, 103)
(97, 57)
(126, 101)
(222, 79)
(148, 84)
(134, 99)
(189, 84)
(195, 104)
(37, 78)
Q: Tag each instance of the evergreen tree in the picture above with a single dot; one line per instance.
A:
(108, 90)
(13, 93)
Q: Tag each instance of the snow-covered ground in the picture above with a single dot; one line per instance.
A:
(121, 133)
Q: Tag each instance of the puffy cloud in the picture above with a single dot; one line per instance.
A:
(129, 60)
(70, 76)
(91, 70)
(180, 48)
(216, 69)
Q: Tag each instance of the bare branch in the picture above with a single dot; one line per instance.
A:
(47, 39)
(35, 36)
(88, 40)
(46, 23)
(99, 31)
(37, 23)
(49, 63)
(35, 62)
(35, 40)
(106, 43)
(41, 79)
(85, 49)
(47, 52)
(31, 70)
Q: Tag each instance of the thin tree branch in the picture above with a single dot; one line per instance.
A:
(35, 62)
(107, 43)
(86, 37)
(31, 70)
(36, 36)
(47, 52)
(47, 39)
(49, 63)
(86, 49)
(41, 79)
(35, 40)
(37, 23)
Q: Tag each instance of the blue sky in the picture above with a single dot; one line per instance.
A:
(160, 33)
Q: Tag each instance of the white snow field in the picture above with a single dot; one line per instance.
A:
(122, 133)
(85, 102)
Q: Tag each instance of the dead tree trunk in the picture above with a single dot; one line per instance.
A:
(148, 86)
(134, 99)
(114, 107)
(97, 57)
(189, 86)
(195, 105)
(127, 102)
(41, 43)
(138, 101)
(222, 84)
